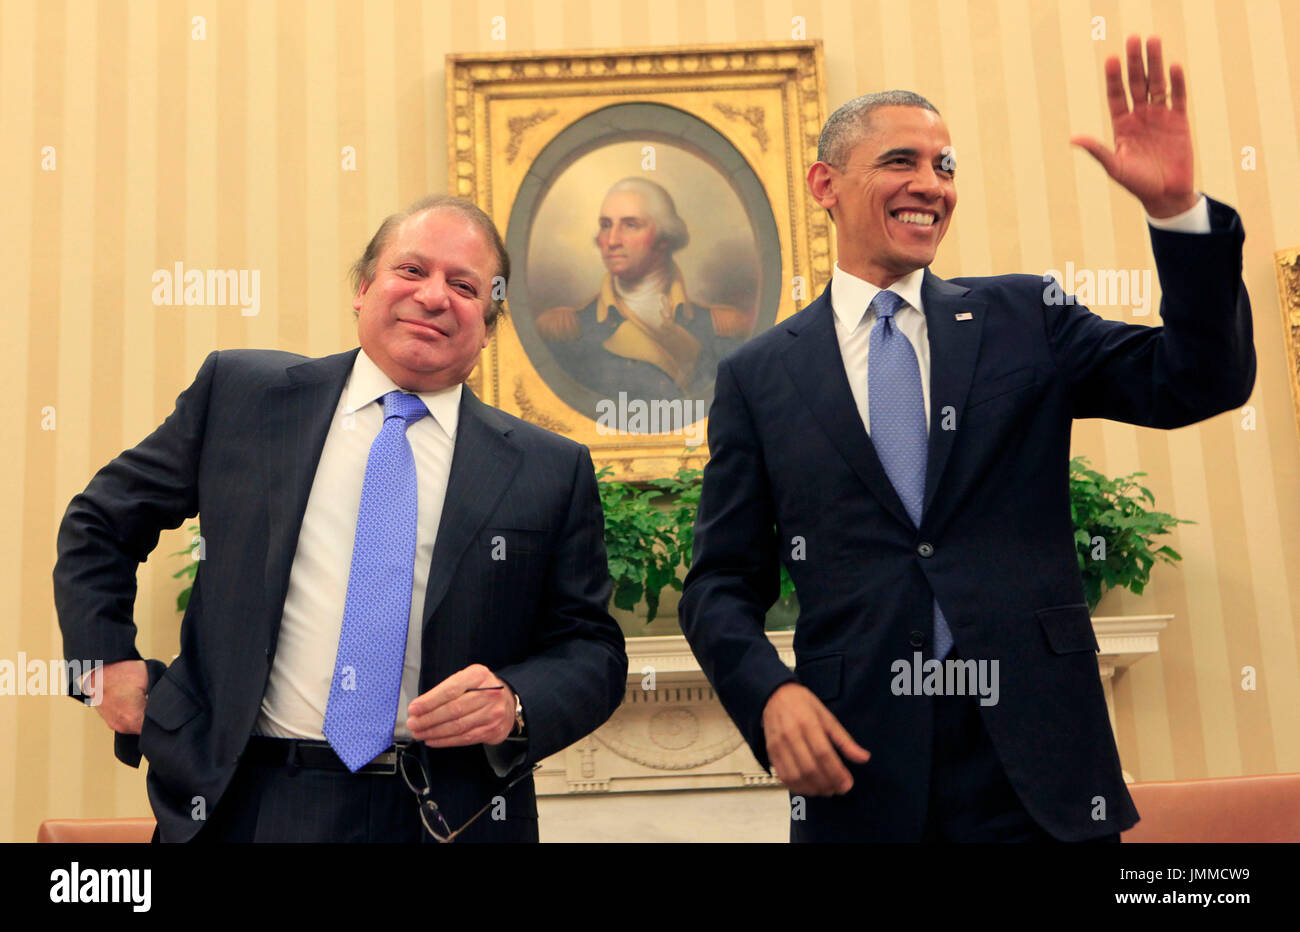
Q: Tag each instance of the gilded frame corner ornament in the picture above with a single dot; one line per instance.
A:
(754, 112)
(1287, 264)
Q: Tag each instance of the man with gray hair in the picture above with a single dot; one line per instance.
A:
(641, 334)
(902, 446)
(850, 120)
(401, 602)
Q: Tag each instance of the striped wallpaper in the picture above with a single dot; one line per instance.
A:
(136, 135)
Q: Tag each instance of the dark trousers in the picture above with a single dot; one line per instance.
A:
(971, 799)
(270, 803)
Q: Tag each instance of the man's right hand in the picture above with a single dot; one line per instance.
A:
(802, 737)
(118, 692)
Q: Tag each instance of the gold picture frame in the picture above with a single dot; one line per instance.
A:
(1287, 262)
(729, 132)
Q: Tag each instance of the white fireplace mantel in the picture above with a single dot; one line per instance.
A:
(671, 732)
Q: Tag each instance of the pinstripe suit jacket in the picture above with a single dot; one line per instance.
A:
(241, 448)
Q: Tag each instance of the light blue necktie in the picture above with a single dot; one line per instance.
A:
(896, 406)
(362, 708)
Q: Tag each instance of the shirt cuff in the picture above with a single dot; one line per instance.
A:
(507, 756)
(1196, 219)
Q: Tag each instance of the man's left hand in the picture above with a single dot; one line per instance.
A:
(1153, 142)
(460, 711)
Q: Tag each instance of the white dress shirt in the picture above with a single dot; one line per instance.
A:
(293, 705)
(851, 298)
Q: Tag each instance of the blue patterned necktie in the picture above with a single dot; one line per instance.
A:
(896, 406)
(362, 708)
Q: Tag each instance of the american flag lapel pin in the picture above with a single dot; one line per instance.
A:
(964, 315)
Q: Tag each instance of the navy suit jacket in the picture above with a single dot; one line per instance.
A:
(241, 448)
(790, 459)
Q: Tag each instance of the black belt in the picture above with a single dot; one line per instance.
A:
(311, 755)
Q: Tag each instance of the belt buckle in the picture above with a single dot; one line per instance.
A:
(387, 762)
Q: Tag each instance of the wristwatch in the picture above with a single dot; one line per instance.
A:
(519, 718)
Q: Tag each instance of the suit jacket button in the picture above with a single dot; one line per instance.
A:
(917, 639)
(925, 550)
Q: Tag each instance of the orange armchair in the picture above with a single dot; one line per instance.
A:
(95, 831)
(1228, 809)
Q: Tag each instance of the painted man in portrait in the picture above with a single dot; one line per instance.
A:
(641, 334)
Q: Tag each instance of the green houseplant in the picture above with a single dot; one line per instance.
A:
(1114, 535)
(650, 527)
(1114, 532)
(646, 543)
(191, 568)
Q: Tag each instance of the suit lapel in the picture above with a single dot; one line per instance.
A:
(815, 365)
(482, 466)
(954, 347)
(298, 415)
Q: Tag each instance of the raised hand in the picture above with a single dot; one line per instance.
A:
(1153, 142)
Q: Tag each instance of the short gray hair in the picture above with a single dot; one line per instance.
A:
(670, 229)
(363, 270)
(852, 120)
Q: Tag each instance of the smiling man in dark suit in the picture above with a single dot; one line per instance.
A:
(402, 588)
(902, 445)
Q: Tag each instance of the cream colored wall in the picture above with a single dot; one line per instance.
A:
(225, 153)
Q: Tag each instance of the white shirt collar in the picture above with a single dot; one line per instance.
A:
(851, 296)
(368, 382)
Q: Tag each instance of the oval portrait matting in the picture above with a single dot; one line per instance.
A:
(645, 250)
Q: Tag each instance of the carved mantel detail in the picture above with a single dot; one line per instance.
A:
(671, 732)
